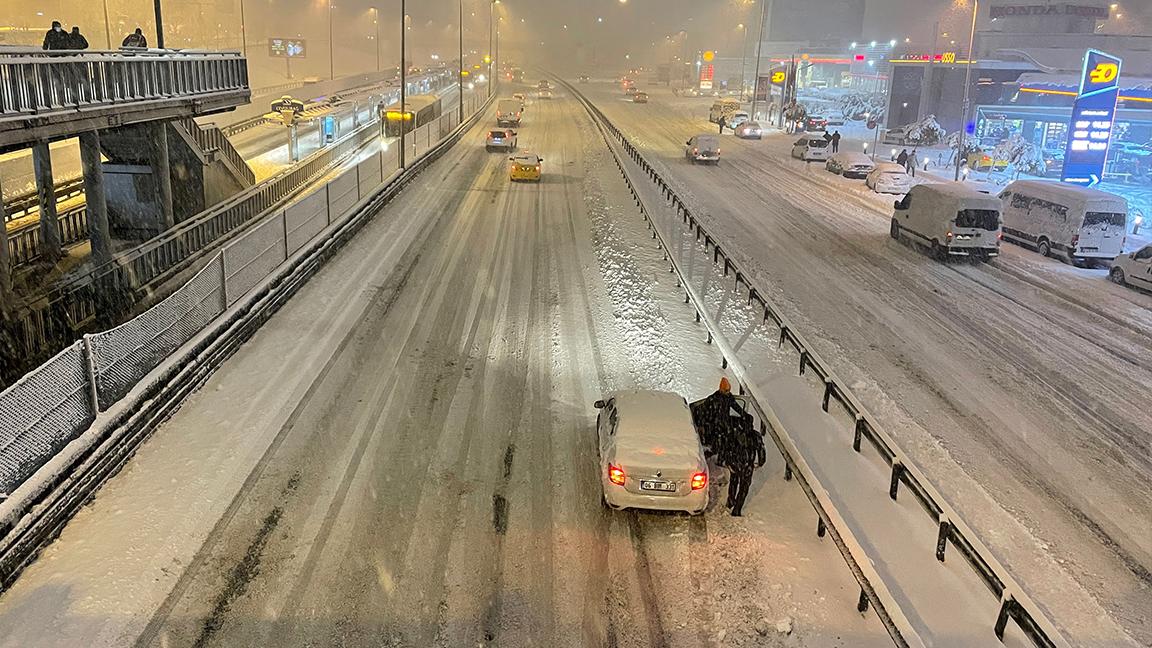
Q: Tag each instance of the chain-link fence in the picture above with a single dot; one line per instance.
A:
(53, 404)
(122, 356)
(41, 413)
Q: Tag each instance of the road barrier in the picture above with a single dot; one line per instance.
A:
(128, 379)
(1014, 603)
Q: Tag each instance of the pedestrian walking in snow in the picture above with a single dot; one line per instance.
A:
(722, 121)
(76, 40)
(135, 39)
(913, 162)
(743, 454)
(902, 159)
(836, 142)
(56, 38)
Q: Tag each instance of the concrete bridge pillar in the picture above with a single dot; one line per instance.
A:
(162, 172)
(50, 242)
(94, 196)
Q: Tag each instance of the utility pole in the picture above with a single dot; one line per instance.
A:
(243, 31)
(376, 23)
(159, 23)
(460, 72)
(107, 25)
(967, 88)
(331, 45)
(744, 62)
(403, 75)
(759, 46)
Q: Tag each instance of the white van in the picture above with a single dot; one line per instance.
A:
(722, 108)
(949, 218)
(1081, 224)
(508, 112)
(650, 454)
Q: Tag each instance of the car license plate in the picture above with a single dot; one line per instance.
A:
(663, 486)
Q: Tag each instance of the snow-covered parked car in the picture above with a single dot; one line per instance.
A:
(850, 164)
(811, 148)
(1134, 269)
(888, 177)
(1079, 224)
(650, 453)
(950, 218)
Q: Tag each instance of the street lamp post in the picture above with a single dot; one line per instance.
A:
(403, 76)
(759, 45)
(743, 61)
(331, 45)
(159, 11)
(376, 23)
(967, 87)
(243, 30)
(460, 72)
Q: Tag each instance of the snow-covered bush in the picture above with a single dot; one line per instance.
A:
(925, 132)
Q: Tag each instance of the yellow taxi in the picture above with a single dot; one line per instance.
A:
(525, 166)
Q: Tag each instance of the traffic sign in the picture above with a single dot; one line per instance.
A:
(708, 56)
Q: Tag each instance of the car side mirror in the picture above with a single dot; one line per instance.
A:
(541, 159)
(896, 204)
(598, 404)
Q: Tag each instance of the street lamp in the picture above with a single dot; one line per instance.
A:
(967, 87)
(376, 23)
(331, 45)
(756, 77)
(743, 61)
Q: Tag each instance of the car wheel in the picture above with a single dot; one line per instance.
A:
(894, 231)
(1117, 276)
(1044, 247)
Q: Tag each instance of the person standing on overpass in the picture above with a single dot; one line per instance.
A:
(135, 39)
(76, 40)
(56, 38)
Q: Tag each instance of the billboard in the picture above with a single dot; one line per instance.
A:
(1093, 114)
(287, 47)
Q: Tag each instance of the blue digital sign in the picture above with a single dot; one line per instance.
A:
(1093, 115)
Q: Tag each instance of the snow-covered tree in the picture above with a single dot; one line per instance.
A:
(856, 105)
(1022, 155)
(925, 132)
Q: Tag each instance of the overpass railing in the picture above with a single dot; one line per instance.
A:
(35, 82)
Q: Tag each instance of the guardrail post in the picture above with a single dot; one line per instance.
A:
(942, 537)
(862, 602)
(1007, 609)
(90, 367)
(897, 475)
(224, 278)
(827, 393)
(783, 335)
(821, 529)
(859, 432)
(803, 360)
(787, 470)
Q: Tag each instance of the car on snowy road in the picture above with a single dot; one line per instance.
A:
(525, 166)
(737, 119)
(650, 453)
(501, 139)
(749, 130)
(850, 164)
(811, 148)
(703, 148)
(1133, 269)
(640, 97)
(889, 177)
(950, 218)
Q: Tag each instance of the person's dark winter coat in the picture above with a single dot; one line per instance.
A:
(56, 38)
(902, 159)
(135, 39)
(836, 141)
(712, 418)
(722, 121)
(76, 40)
(743, 454)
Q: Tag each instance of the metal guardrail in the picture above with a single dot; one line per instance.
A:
(24, 243)
(24, 204)
(32, 514)
(38, 82)
(1015, 604)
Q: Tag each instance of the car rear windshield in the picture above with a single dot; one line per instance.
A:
(817, 143)
(496, 134)
(1105, 218)
(985, 219)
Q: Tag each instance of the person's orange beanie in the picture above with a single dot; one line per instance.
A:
(725, 386)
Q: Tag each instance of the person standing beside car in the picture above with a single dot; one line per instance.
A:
(836, 142)
(742, 455)
(912, 162)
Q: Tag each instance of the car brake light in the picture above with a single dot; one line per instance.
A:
(699, 480)
(999, 235)
(616, 474)
(949, 235)
(695, 151)
(1075, 240)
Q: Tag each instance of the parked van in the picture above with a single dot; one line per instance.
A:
(650, 454)
(1080, 224)
(723, 108)
(703, 148)
(508, 112)
(949, 218)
